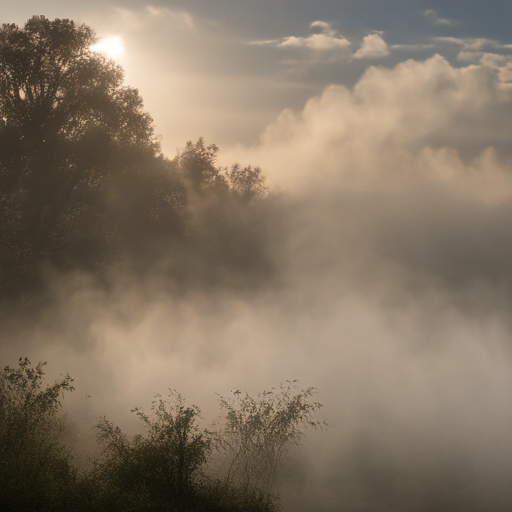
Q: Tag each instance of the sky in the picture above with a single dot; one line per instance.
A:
(384, 129)
(226, 69)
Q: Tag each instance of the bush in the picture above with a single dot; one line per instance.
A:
(259, 431)
(159, 467)
(35, 469)
(160, 470)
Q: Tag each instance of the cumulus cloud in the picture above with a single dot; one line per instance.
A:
(387, 125)
(319, 42)
(433, 16)
(501, 63)
(373, 46)
(326, 40)
(323, 26)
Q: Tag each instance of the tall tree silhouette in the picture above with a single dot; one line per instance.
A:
(65, 117)
(83, 181)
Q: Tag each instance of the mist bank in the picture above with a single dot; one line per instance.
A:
(388, 288)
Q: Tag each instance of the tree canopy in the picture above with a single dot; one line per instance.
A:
(82, 179)
(64, 116)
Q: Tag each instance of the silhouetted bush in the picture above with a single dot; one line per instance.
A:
(164, 469)
(35, 468)
(258, 432)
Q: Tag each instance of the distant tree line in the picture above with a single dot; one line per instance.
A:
(83, 181)
(164, 469)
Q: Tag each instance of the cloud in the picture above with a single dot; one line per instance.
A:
(413, 47)
(140, 19)
(265, 42)
(328, 42)
(473, 44)
(500, 63)
(373, 46)
(472, 49)
(432, 15)
(324, 41)
(319, 42)
(324, 27)
(395, 123)
(469, 43)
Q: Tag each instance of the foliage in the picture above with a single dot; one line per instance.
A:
(83, 184)
(164, 469)
(224, 215)
(163, 463)
(35, 472)
(197, 164)
(65, 119)
(247, 183)
(259, 431)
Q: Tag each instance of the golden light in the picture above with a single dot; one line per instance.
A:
(112, 46)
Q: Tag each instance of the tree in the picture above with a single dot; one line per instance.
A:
(259, 431)
(35, 471)
(65, 116)
(197, 164)
(83, 183)
(224, 214)
(247, 183)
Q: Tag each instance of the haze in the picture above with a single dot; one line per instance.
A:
(384, 131)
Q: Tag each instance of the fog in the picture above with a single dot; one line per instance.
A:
(387, 237)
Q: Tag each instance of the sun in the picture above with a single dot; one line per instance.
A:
(112, 46)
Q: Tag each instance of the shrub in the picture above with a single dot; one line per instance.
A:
(259, 431)
(160, 466)
(35, 469)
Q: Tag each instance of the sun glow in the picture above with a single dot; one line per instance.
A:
(112, 46)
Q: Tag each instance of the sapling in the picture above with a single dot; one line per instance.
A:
(259, 431)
